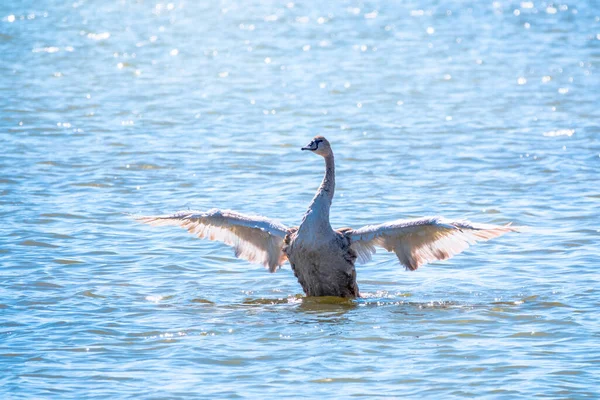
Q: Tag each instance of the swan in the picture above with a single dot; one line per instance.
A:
(321, 257)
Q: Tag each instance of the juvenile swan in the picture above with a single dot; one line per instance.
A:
(323, 258)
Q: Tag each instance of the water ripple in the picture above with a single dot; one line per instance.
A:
(122, 108)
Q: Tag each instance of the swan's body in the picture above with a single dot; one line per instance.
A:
(323, 258)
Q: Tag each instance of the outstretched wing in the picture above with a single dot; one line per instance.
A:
(419, 241)
(256, 239)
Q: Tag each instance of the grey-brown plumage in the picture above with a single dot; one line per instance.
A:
(326, 270)
(323, 258)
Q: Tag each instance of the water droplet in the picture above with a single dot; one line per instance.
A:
(563, 90)
(174, 52)
(10, 18)
(521, 81)
(430, 30)
(268, 60)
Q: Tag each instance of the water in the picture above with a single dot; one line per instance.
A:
(485, 110)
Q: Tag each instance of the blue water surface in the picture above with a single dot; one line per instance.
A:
(487, 110)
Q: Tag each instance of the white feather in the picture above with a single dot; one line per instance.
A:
(254, 238)
(420, 241)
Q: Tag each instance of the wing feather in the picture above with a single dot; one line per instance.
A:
(420, 241)
(254, 238)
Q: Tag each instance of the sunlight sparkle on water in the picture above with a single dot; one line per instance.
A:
(154, 298)
(560, 132)
(98, 36)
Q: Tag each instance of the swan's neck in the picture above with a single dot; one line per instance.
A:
(316, 219)
(328, 184)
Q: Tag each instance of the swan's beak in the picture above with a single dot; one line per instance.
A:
(309, 146)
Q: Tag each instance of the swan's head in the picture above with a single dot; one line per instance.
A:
(319, 145)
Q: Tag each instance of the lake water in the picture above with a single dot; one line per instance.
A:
(484, 110)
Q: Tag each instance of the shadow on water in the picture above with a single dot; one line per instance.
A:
(338, 306)
(330, 304)
(326, 304)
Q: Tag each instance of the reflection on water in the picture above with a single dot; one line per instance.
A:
(464, 109)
